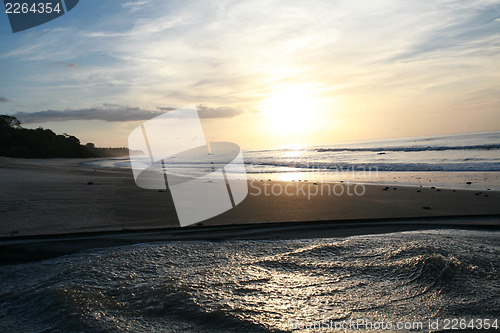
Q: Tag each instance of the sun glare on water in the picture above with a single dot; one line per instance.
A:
(291, 110)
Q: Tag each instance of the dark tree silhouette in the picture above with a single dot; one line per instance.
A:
(16, 141)
(9, 121)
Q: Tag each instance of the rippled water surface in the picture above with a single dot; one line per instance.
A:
(453, 153)
(244, 286)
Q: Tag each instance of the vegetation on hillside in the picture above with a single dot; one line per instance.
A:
(16, 141)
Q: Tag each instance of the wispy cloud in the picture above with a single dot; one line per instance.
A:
(237, 51)
(116, 113)
(465, 31)
(64, 64)
(220, 112)
(135, 5)
(4, 100)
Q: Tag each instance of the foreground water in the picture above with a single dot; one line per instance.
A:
(246, 286)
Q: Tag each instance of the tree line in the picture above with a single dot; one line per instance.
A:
(16, 141)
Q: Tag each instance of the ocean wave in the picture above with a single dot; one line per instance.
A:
(277, 165)
(294, 166)
(408, 149)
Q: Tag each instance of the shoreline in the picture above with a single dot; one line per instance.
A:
(453, 180)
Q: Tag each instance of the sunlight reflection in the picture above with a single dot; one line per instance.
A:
(292, 153)
(289, 176)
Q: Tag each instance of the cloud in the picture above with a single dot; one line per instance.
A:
(116, 113)
(135, 4)
(166, 108)
(208, 112)
(4, 100)
(220, 112)
(64, 64)
(107, 112)
(470, 32)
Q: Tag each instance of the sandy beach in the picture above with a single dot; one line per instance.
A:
(60, 196)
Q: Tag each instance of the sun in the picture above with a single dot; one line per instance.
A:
(290, 109)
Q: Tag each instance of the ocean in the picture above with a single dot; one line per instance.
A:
(463, 152)
(404, 280)
(448, 161)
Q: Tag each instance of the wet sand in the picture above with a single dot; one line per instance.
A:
(463, 180)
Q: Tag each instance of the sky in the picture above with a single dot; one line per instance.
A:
(262, 74)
